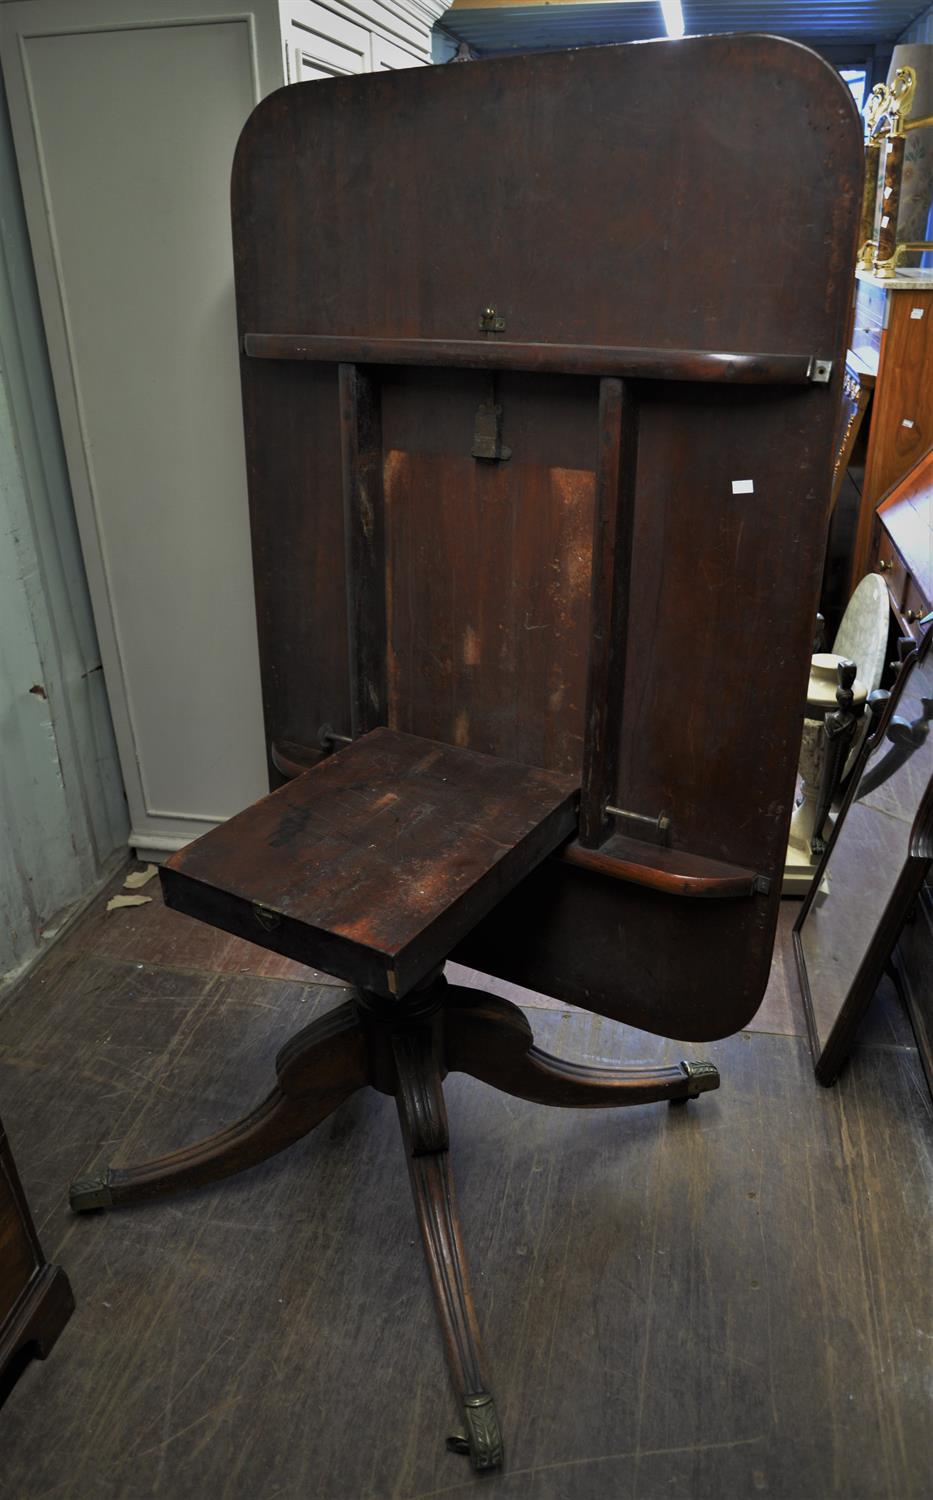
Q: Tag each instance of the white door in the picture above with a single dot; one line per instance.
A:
(126, 114)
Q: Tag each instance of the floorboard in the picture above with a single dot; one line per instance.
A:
(722, 1299)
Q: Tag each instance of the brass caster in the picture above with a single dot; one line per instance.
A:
(701, 1077)
(87, 1193)
(482, 1440)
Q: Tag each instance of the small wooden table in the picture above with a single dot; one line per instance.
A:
(375, 864)
(510, 478)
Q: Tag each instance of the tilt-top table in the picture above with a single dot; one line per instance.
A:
(541, 359)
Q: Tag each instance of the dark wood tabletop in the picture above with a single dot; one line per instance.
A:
(373, 864)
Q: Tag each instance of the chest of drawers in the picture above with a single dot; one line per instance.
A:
(892, 337)
(902, 545)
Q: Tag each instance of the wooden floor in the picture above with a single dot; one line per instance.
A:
(723, 1300)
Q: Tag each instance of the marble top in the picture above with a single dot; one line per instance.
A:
(863, 635)
(905, 279)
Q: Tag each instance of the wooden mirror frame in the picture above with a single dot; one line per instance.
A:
(831, 1049)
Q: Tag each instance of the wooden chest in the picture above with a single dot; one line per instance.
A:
(35, 1298)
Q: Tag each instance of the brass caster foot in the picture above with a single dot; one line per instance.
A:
(701, 1077)
(482, 1439)
(87, 1193)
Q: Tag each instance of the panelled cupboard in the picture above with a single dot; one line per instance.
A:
(125, 116)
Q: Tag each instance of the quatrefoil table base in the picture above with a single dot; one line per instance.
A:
(379, 860)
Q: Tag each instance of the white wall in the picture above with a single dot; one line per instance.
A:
(126, 114)
(62, 810)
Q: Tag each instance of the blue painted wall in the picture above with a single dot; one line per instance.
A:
(63, 821)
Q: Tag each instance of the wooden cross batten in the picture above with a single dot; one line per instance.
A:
(616, 469)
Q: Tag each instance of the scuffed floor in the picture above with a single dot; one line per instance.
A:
(723, 1300)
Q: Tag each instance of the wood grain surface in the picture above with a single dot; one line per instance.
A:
(455, 189)
(378, 860)
(661, 869)
(716, 367)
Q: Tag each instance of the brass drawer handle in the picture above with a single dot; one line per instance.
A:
(266, 916)
(885, 567)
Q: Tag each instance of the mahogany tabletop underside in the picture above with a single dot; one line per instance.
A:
(397, 564)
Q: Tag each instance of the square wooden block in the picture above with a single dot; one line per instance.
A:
(375, 863)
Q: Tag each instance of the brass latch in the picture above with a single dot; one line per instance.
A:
(266, 916)
(490, 322)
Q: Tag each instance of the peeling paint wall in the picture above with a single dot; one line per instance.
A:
(62, 810)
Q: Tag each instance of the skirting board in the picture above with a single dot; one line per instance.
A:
(155, 848)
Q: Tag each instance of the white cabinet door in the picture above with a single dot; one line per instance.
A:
(407, 23)
(125, 115)
(388, 54)
(320, 42)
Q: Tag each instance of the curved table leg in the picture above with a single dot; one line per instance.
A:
(319, 1068)
(490, 1039)
(424, 1126)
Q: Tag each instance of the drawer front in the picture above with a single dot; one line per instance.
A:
(866, 343)
(17, 1257)
(871, 305)
(887, 561)
(855, 398)
(916, 605)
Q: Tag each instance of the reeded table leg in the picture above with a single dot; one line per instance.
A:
(420, 1102)
(405, 1048)
(319, 1068)
(490, 1039)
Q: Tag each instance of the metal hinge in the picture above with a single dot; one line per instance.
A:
(819, 371)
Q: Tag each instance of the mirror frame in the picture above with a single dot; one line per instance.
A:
(829, 1058)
